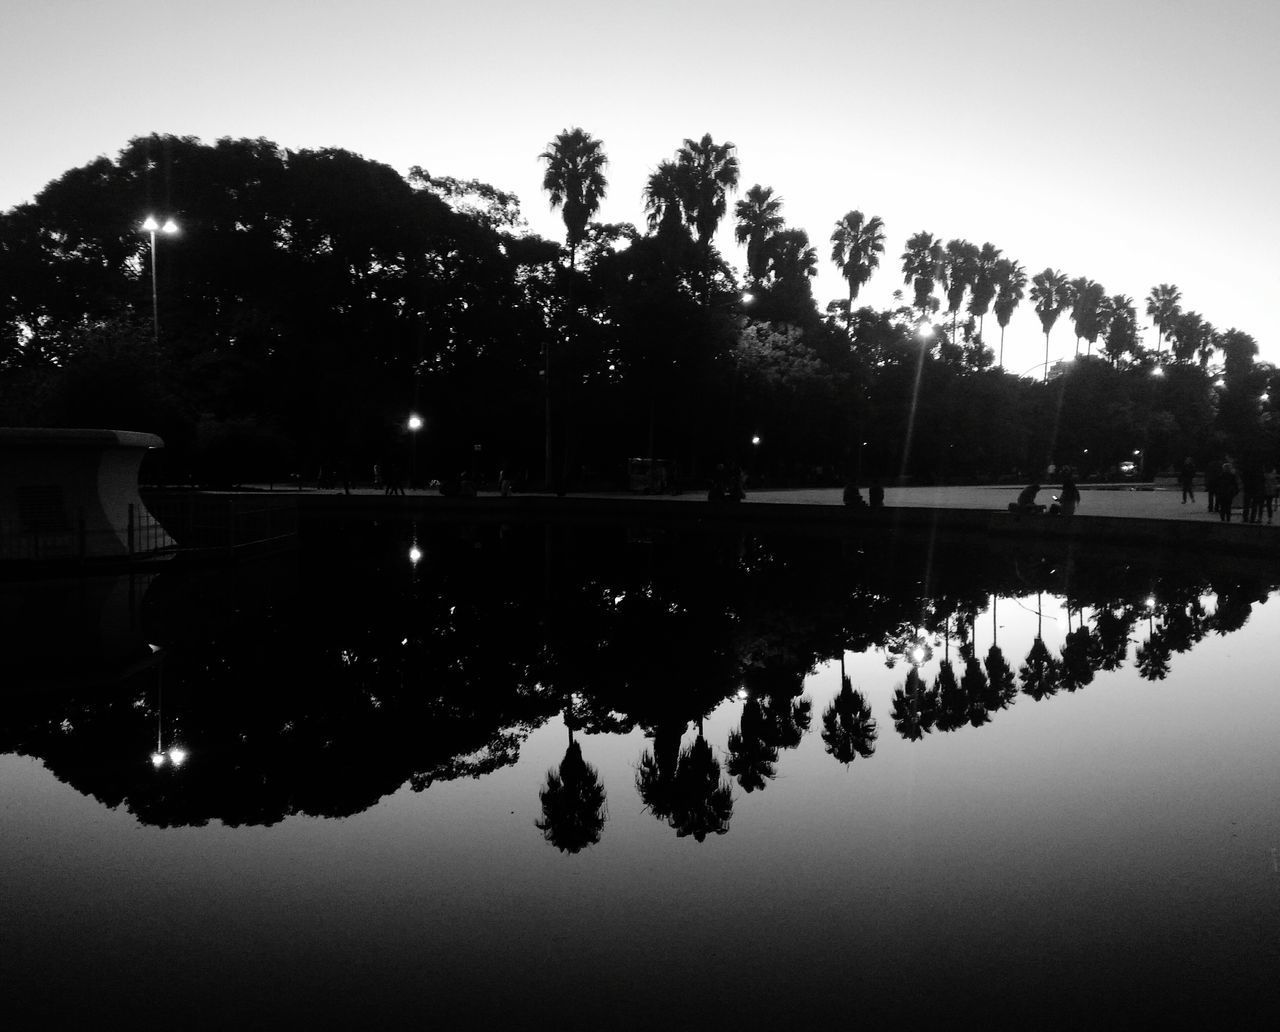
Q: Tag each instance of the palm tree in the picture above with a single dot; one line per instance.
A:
(759, 216)
(1011, 282)
(1208, 344)
(1163, 308)
(1118, 322)
(856, 247)
(921, 265)
(575, 180)
(791, 258)
(664, 199)
(1184, 336)
(1051, 293)
(985, 283)
(710, 173)
(1086, 295)
(959, 272)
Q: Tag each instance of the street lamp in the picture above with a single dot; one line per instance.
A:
(151, 226)
(414, 424)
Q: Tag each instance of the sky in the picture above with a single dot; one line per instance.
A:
(1135, 142)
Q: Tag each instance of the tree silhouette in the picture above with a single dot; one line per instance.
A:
(1011, 282)
(575, 181)
(1163, 308)
(664, 200)
(986, 283)
(856, 247)
(573, 803)
(759, 218)
(1086, 296)
(1040, 673)
(1118, 322)
(914, 708)
(959, 273)
(848, 728)
(752, 758)
(1051, 293)
(709, 172)
(690, 795)
(921, 266)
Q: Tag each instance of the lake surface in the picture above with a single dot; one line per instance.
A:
(591, 776)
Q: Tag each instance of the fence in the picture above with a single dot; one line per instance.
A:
(47, 534)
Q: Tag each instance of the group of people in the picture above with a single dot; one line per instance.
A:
(1256, 488)
(1068, 497)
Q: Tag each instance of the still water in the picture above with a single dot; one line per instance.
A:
(582, 776)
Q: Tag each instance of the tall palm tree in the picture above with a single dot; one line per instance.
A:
(856, 247)
(1118, 321)
(1184, 336)
(986, 282)
(1208, 344)
(759, 216)
(1163, 308)
(575, 180)
(791, 258)
(664, 199)
(921, 265)
(1051, 293)
(1011, 282)
(710, 175)
(1086, 295)
(959, 272)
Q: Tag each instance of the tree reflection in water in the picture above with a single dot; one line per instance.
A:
(690, 795)
(848, 728)
(320, 687)
(573, 803)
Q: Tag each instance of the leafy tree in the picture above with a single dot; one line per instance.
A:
(575, 181)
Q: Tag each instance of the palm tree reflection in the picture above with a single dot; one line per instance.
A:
(752, 758)
(848, 728)
(573, 803)
(690, 794)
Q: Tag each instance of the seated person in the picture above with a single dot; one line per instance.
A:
(1027, 500)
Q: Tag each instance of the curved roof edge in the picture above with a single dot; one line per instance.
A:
(60, 437)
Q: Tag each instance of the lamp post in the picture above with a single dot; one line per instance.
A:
(151, 226)
(414, 424)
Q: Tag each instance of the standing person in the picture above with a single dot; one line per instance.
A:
(1212, 471)
(1187, 478)
(1069, 498)
(1226, 489)
(1270, 487)
(1251, 490)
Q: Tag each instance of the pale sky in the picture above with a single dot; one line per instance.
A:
(1133, 141)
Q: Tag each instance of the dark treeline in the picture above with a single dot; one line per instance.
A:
(322, 689)
(312, 300)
